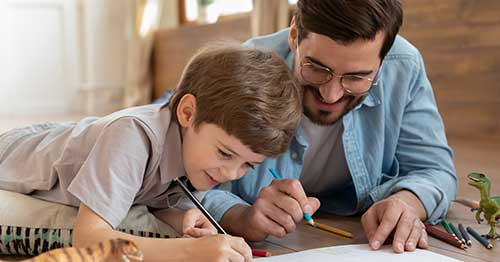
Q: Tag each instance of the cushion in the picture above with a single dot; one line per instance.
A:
(30, 226)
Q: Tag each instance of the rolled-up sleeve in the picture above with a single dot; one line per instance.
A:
(219, 201)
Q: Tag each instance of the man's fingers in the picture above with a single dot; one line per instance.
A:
(405, 226)
(293, 188)
(388, 222)
(261, 220)
(370, 222)
(289, 206)
(415, 235)
(314, 203)
(423, 242)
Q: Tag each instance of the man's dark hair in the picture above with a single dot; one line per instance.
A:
(346, 21)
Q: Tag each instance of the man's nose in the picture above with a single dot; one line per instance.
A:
(332, 91)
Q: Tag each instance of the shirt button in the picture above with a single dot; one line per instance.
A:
(294, 155)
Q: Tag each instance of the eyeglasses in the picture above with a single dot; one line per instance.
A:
(354, 85)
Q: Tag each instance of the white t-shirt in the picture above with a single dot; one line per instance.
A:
(325, 167)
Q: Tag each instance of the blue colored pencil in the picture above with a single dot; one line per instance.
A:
(307, 216)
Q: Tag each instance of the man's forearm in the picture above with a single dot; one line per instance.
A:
(236, 222)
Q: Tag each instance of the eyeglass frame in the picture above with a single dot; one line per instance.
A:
(332, 75)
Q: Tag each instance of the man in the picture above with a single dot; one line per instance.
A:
(371, 139)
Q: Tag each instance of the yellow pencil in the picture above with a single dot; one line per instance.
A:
(333, 230)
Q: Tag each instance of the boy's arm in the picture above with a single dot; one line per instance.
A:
(190, 223)
(90, 228)
(170, 216)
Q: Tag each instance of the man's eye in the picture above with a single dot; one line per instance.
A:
(224, 155)
(354, 78)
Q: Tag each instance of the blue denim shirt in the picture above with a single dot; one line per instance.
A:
(393, 140)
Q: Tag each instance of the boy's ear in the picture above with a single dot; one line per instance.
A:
(186, 110)
(292, 35)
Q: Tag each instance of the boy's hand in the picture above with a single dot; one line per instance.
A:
(277, 210)
(220, 248)
(195, 224)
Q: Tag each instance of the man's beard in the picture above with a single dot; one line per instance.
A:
(321, 117)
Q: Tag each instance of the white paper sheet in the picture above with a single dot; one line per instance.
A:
(354, 253)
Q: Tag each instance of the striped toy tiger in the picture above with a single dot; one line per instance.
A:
(114, 250)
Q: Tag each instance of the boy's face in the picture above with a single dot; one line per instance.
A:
(211, 156)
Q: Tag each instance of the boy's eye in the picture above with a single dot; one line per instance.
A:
(248, 165)
(224, 155)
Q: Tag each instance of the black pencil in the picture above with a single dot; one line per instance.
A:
(479, 238)
(457, 233)
(464, 234)
(200, 206)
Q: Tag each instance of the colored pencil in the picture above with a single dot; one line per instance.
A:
(200, 206)
(334, 230)
(479, 238)
(260, 253)
(255, 252)
(464, 234)
(307, 216)
(443, 236)
(448, 229)
(457, 233)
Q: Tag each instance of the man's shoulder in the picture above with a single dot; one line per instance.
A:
(277, 42)
(403, 49)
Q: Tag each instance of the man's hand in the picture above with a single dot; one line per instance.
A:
(277, 210)
(403, 213)
(195, 224)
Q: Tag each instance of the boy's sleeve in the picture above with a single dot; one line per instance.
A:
(112, 174)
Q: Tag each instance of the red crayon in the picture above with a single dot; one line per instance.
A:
(260, 253)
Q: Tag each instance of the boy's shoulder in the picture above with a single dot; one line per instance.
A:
(154, 120)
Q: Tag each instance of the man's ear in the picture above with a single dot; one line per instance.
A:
(186, 110)
(293, 35)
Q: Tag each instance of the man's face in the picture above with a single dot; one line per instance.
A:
(326, 103)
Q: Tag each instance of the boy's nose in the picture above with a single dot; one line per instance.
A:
(332, 91)
(230, 172)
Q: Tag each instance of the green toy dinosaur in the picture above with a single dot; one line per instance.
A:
(490, 206)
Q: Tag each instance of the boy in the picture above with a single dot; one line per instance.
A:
(233, 107)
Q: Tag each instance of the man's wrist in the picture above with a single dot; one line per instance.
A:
(413, 201)
(232, 220)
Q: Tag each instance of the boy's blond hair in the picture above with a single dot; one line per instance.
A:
(249, 93)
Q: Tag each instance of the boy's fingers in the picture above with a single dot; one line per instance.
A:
(239, 244)
(199, 232)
